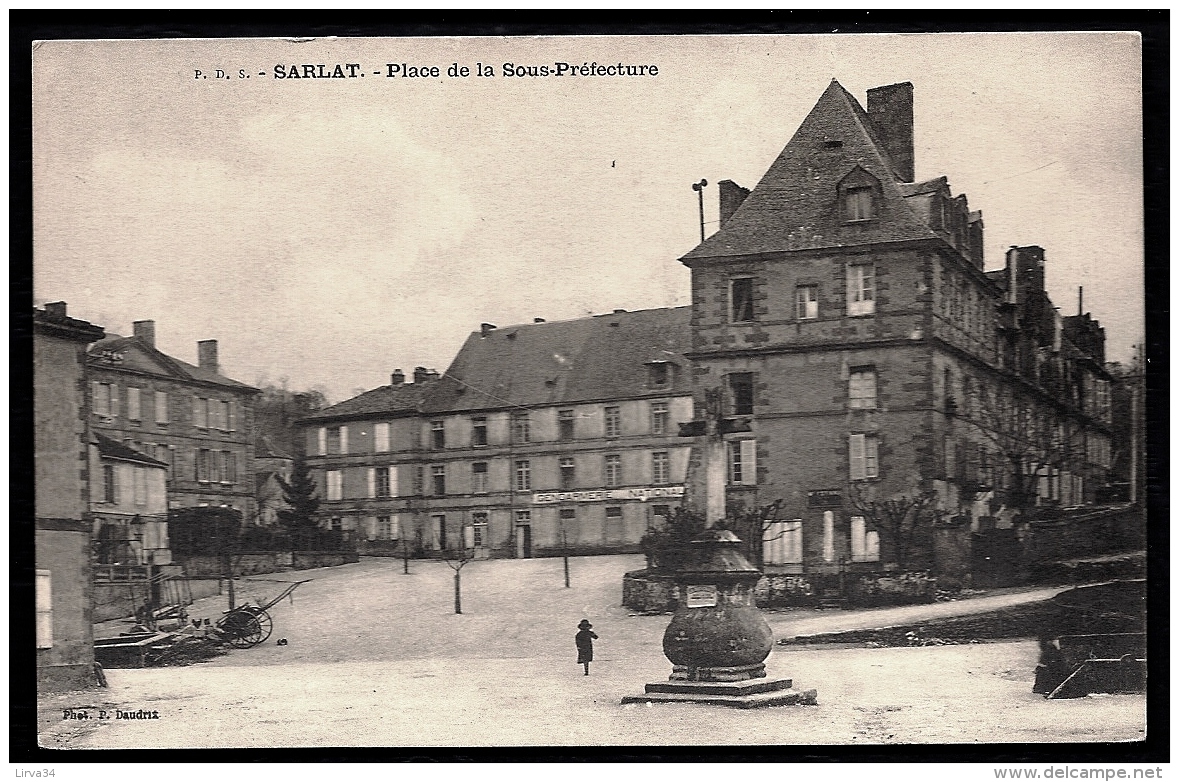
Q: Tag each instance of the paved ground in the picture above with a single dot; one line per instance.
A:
(377, 658)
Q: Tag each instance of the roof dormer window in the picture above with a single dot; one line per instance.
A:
(859, 196)
(857, 204)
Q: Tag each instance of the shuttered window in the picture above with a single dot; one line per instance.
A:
(743, 462)
(44, 598)
(862, 457)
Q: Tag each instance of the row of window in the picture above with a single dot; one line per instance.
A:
(782, 541)
(206, 413)
(211, 466)
(334, 439)
(863, 464)
(861, 390)
(475, 534)
(860, 295)
(382, 481)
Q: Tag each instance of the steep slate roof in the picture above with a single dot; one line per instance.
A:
(795, 205)
(113, 449)
(142, 357)
(563, 362)
(401, 399)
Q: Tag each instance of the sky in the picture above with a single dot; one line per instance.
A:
(329, 231)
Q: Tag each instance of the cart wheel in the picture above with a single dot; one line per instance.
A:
(241, 630)
(264, 622)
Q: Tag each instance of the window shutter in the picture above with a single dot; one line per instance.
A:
(95, 396)
(872, 546)
(114, 400)
(161, 407)
(828, 536)
(381, 437)
(749, 462)
(856, 456)
(229, 415)
(468, 537)
(322, 440)
(372, 481)
(44, 599)
(857, 538)
(344, 438)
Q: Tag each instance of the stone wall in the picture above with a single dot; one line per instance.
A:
(892, 589)
(270, 562)
(650, 593)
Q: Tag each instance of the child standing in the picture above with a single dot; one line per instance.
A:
(585, 644)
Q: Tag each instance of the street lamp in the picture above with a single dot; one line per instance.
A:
(699, 188)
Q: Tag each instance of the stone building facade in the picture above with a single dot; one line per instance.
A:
(129, 506)
(63, 583)
(539, 439)
(191, 417)
(846, 311)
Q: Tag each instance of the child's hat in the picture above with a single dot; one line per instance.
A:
(584, 625)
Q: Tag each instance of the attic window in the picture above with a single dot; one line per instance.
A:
(859, 196)
(657, 374)
(857, 204)
(832, 143)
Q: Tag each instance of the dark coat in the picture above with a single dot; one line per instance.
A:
(585, 645)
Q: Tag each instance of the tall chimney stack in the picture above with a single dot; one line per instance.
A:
(146, 331)
(732, 195)
(420, 374)
(397, 378)
(56, 309)
(207, 355)
(891, 111)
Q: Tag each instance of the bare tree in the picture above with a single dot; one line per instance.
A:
(1030, 438)
(903, 521)
(457, 558)
(752, 526)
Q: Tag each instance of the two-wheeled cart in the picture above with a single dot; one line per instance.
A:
(249, 624)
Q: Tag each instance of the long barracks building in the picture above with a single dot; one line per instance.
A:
(539, 438)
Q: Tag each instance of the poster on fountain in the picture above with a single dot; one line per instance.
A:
(425, 323)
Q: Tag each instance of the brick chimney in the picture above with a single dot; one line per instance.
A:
(207, 355)
(486, 328)
(56, 309)
(420, 374)
(732, 195)
(146, 331)
(397, 378)
(891, 111)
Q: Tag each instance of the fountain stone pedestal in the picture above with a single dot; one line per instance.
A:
(717, 640)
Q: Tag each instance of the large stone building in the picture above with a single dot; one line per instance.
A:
(846, 310)
(192, 418)
(64, 632)
(539, 438)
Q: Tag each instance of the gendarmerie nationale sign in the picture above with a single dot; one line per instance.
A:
(642, 494)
